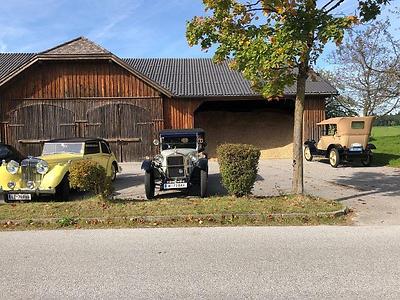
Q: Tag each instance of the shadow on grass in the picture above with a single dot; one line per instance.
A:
(383, 159)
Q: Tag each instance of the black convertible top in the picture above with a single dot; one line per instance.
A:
(171, 132)
(77, 140)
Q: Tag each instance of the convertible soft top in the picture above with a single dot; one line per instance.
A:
(76, 140)
(178, 132)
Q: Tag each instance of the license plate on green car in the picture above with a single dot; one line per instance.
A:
(19, 197)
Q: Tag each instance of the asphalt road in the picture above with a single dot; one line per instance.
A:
(209, 263)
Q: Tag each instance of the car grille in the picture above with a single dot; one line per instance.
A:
(175, 161)
(29, 173)
(175, 166)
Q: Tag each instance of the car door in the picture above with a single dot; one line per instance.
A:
(93, 153)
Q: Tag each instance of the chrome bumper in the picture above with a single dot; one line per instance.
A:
(28, 191)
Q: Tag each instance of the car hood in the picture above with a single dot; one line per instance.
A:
(62, 158)
(184, 152)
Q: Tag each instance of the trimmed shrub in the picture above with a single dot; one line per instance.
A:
(88, 176)
(238, 167)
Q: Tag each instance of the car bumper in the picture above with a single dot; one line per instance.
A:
(28, 191)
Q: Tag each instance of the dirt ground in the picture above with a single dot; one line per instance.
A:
(373, 193)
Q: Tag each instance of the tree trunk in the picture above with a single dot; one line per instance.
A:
(298, 185)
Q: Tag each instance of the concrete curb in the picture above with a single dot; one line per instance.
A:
(154, 219)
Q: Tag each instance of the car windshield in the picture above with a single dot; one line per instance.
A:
(57, 148)
(171, 142)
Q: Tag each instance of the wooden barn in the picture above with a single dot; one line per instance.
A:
(79, 89)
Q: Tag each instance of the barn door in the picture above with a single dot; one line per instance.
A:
(30, 126)
(127, 127)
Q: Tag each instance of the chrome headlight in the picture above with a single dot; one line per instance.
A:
(42, 167)
(193, 158)
(12, 167)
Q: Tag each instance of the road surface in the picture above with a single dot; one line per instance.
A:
(203, 263)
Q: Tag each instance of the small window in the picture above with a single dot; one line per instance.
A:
(92, 148)
(105, 148)
(357, 125)
(330, 129)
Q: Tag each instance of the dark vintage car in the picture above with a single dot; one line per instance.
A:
(181, 163)
(8, 153)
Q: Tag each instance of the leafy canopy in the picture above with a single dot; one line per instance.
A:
(268, 39)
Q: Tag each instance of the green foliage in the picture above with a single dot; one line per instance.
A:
(238, 167)
(66, 221)
(90, 177)
(388, 120)
(267, 39)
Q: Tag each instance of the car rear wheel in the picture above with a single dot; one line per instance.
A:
(334, 157)
(114, 170)
(149, 184)
(203, 183)
(307, 153)
(366, 161)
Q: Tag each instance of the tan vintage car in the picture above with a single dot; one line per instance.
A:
(344, 139)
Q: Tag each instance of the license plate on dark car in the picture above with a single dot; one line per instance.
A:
(19, 197)
(175, 185)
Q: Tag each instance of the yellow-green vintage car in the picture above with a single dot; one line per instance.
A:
(48, 173)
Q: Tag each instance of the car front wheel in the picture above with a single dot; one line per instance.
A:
(307, 153)
(203, 183)
(63, 190)
(149, 184)
(334, 157)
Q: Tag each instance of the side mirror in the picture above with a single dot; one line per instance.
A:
(156, 142)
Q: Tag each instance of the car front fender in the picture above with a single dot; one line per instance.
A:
(53, 178)
(371, 147)
(202, 164)
(147, 165)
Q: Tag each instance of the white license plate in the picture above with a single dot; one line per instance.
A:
(19, 197)
(175, 185)
(355, 149)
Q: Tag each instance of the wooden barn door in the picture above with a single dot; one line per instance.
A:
(29, 126)
(128, 128)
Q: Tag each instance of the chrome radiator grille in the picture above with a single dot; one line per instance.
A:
(175, 166)
(29, 173)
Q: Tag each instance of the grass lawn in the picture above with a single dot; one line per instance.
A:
(387, 141)
(93, 212)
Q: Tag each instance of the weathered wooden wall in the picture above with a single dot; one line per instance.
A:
(179, 113)
(57, 99)
(314, 112)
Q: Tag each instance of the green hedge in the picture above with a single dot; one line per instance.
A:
(238, 167)
(88, 176)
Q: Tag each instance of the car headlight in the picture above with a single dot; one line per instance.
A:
(12, 167)
(42, 167)
(193, 157)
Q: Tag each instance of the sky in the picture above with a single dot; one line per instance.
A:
(128, 28)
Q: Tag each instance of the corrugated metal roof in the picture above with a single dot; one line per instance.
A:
(184, 77)
(202, 77)
(11, 61)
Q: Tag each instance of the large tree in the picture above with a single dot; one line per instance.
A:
(367, 68)
(274, 43)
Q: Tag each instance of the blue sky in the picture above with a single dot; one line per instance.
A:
(128, 28)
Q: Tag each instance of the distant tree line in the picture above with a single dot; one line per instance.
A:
(388, 120)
